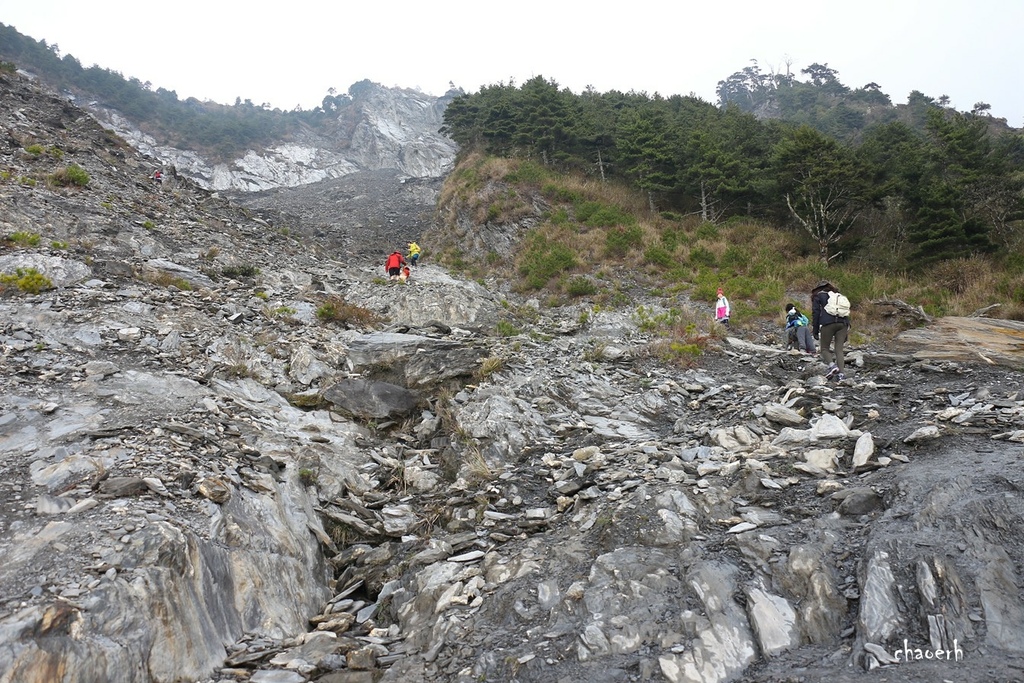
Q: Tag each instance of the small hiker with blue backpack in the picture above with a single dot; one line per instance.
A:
(830, 322)
(798, 330)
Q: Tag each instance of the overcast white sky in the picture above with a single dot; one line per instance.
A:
(291, 53)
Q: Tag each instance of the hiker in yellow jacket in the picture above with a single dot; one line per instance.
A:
(414, 253)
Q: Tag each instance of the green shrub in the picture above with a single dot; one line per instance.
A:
(243, 270)
(528, 172)
(559, 217)
(1014, 262)
(702, 256)
(24, 239)
(580, 286)
(8, 67)
(148, 225)
(34, 150)
(673, 238)
(506, 329)
(57, 244)
(544, 260)
(707, 231)
(558, 193)
(659, 256)
(619, 241)
(27, 280)
(598, 215)
(735, 257)
(72, 174)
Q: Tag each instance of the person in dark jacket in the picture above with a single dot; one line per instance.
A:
(829, 329)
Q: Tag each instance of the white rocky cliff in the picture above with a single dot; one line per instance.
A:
(382, 128)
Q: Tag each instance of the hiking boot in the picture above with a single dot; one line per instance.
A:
(832, 369)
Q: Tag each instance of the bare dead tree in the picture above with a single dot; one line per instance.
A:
(830, 215)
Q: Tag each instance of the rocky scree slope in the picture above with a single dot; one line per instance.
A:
(207, 482)
(361, 216)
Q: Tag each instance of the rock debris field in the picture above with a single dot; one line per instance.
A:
(234, 452)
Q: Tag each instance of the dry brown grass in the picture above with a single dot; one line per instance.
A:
(335, 309)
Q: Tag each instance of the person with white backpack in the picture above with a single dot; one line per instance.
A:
(830, 323)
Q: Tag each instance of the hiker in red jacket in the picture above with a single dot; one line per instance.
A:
(394, 264)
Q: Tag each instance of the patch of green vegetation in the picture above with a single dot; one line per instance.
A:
(559, 216)
(702, 256)
(560, 193)
(34, 150)
(149, 225)
(27, 280)
(707, 231)
(506, 329)
(527, 172)
(23, 238)
(307, 477)
(73, 174)
(240, 271)
(580, 286)
(165, 279)
(543, 260)
(659, 256)
(59, 245)
(619, 241)
(599, 215)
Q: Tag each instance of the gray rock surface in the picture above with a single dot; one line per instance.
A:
(183, 501)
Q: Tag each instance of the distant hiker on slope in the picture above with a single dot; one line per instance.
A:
(394, 264)
(414, 253)
(722, 308)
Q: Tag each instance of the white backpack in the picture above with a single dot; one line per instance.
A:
(838, 305)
